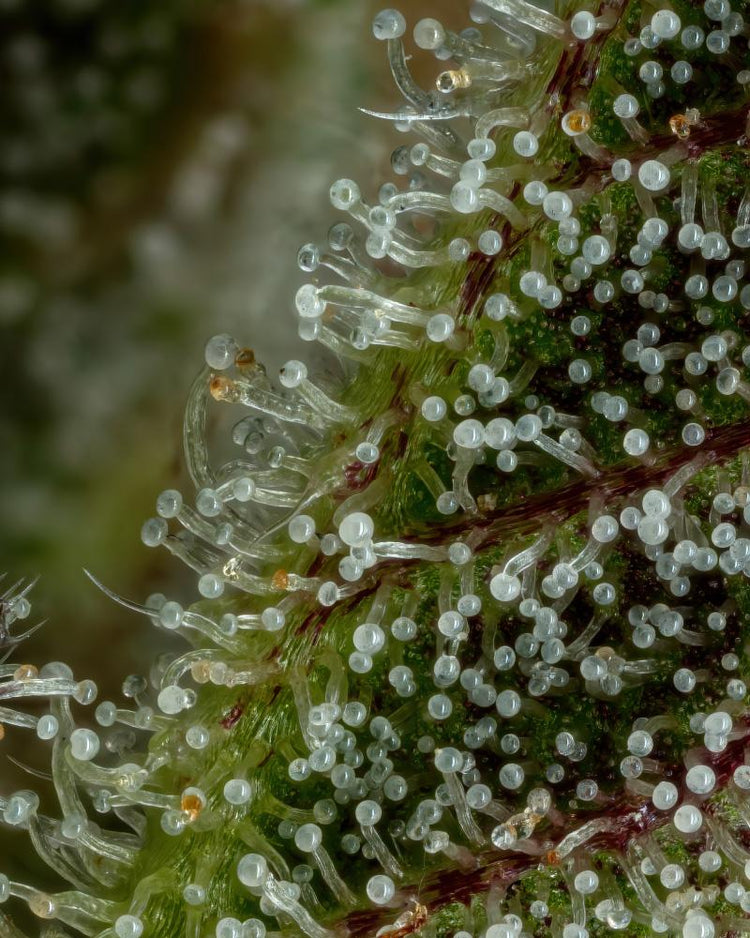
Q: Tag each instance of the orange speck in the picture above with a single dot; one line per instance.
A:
(2, 731)
(200, 671)
(680, 126)
(191, 805)
(453, 80)
(245, 358)
(280, 580)
(576, 122)
(487, 502)
(25, 672)
(553, 857)
(221, 388)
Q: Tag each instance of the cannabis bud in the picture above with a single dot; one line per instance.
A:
(471, 657)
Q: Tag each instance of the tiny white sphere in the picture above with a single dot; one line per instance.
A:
(505, 587)
(604, 529)
(220, 352)
(301, 528)
(635, 442)
(490, 242)
(128, 926)
(626, 106)
(308, 837)
(653, 175)
(583, 25)
(464, 198)
(84, 744)
(700, 779)
(388, 24)
(596, 250)
(380, 889)
(664, 796)
(47, 727)
(344, 193)
(469, 434)
(535, 191)
(252, 870)
(434, 408)
(440, 327)
(429, 34)
(292, 374)
(228, 927)
(586, 882)
(237, 791)
(171, 699)
(687, 819)
(557, 205)
(698, 925)
(579, 371)
(525, 143)
(666, 24)
(356, 529)
(622, 170)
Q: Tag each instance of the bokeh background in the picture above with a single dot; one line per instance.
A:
(161, 161)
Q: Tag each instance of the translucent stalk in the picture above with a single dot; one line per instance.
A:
(496, 72)
(577, 648)
(581, 835)
(405, 83)
(635, 130)
(382, 854)
(352, 273)
(465, 461)
(14, 718)
(642, 667)
(147, 799)
(331, 877)
(397, 549)
(330, 410)
(38, 687)
(466, 49)
(295, 910)
(463, 813)
(488, 198)
(411, 258)
(733, 850)
(710, 205)
(420, 201)
(528, 556)
(568, 456)
(502, 117)
(591, 149)
(743, 210)
(363, 299)
(522, 377)
(210, 630)
(194, 522)
(519, 39)
(438, 136)
(194, 439)
(241, 391)
(532, 16)
(689, 192)
(45, 837)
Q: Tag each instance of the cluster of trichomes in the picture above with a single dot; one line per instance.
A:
(472, 656)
